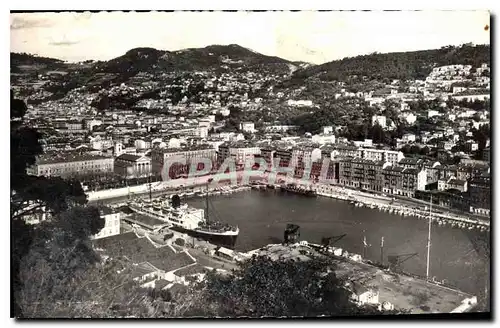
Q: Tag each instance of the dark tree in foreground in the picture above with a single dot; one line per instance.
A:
(265, 288)
(31, 194)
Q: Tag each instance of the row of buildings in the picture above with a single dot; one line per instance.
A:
(378, 170)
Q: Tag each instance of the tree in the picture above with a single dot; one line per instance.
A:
(61, 289)
(262, 287)
(481, 135)
(30, 194)
(377, 133)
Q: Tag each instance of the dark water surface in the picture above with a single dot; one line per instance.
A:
(263, 215)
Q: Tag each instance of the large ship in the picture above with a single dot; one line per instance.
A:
(309, 192)
(185, 219)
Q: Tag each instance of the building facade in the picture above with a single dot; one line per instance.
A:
(112, 223)
(479, 193)
(391, 156)
(361, 173)
(195, 154)
(72, 165)
(240, 152)
(130, 166)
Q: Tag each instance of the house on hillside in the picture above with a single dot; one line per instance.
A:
(363, 295)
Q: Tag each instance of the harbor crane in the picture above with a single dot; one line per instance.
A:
(330, 241)
(395, 261)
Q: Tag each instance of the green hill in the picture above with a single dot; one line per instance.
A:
(396, 65)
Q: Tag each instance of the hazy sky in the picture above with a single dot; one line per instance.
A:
(314, 37)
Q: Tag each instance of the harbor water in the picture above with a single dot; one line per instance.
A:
(457, 255)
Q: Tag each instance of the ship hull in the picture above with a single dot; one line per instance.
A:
(307, 193)
(227, 241)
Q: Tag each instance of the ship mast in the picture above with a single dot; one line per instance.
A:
(429, 241)
(206, 203)
(150, 195)
(382, 251)
(206, 199)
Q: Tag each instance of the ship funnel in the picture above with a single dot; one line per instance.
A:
(292, 233)
(176, 201)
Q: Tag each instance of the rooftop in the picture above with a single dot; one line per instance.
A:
(190, 270)
(166, 260)
(238, 144)
(411, 161)
(161, 283)
(142, 269)
(67, 157)
(144, 220)
(184, 149)
(129, 157)
(105, 210)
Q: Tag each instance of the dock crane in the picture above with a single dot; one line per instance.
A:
(330, 241)
(395, 261)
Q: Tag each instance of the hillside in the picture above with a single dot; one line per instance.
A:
(397, 65)
(23, 61)
(195, 59)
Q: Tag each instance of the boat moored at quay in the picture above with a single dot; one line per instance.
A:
(299, 190)
(186, 219)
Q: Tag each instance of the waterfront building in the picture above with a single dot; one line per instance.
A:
(198, 154)
(267, 153)
(304, 155)
(71, 164)
(433, 171)
(282, 154)
(240, 152)
(403, 181)
(448, 198)
(361, 173)
(479, 193)
(131, 166)
(452, 183)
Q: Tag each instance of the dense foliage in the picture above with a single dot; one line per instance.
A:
(262, 287)
(31, 194)
(397, 65)
(208, 58)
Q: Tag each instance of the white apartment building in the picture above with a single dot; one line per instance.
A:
(111, 225)
(323, 139)
(300, 103)
(391, 156)
(247, 127)
(408, 137)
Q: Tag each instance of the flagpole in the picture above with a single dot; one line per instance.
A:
(429, 241)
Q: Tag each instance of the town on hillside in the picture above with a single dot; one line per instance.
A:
(186, 180)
